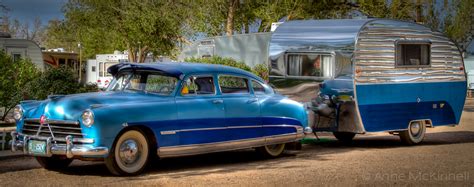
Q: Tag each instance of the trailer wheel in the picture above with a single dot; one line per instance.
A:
(345, 137)
(414, 134)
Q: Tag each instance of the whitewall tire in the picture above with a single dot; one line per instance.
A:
(129, 155)
(414, 134)
(271, 151)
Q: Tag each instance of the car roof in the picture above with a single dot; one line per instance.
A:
(178, 69)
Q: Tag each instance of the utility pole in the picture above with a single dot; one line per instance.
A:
(80, 61)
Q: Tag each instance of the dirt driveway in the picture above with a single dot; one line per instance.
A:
(445, 157)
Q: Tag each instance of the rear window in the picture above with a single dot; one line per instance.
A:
(413, 54)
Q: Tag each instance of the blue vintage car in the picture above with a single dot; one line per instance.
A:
(160, 109)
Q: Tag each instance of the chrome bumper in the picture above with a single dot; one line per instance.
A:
(20, 142)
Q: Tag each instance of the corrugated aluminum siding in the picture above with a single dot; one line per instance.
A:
(374, 54)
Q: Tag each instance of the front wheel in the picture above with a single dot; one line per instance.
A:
(345, 137)
(271, 151)
(414, 134)
(129, 155)
(54, 163)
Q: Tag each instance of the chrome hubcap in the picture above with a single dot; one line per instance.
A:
(415, 128)
(129, 151)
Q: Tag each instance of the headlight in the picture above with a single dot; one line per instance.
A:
(88, 118)
(18, 112)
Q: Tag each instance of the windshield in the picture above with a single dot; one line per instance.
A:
(147, 82)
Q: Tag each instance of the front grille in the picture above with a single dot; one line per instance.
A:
(60, 129)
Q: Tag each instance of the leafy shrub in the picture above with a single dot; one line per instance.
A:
(60, 80)
(14, 78)
(222, 61)
(260, 69)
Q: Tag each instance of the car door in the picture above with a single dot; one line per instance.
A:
(200, 112)
(242, 108)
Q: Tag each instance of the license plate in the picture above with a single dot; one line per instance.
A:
(36, 147)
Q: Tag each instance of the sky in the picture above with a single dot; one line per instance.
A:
(28, 10)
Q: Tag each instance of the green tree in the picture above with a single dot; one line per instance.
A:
(15, 79)
(374, 8)
(461, 27)
(60, 80)
(219, 17)
(141, 27)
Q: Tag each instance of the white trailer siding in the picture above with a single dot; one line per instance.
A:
(21, 48)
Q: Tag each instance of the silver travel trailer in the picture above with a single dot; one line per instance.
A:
(252, 49)
(369, 75)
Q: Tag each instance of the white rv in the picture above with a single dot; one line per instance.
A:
(96, 72)
(97, 68)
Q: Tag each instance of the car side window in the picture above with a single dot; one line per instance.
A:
(257, 87)
(198, 85)
(160, 84)
(233, 84)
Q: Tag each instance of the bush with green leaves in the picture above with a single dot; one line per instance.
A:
(15, 80)
(21, 80)
(260, 69)
(58, 81)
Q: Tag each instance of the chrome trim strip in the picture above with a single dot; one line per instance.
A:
(168, 132)
(75, 140)
(52, 126)
(193, 149)
(68, 149)
(52, 121)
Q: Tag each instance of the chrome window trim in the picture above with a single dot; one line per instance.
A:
(398, 57)
(232, 75)
(194, 95)
(331, 54)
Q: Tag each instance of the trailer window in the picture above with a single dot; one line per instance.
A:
(413, 54)
(309, 65)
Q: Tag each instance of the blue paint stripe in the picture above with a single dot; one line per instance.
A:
(210, 136)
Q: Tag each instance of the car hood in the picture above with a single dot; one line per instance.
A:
(70, 107)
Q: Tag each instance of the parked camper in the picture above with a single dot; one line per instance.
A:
(21, 48)
(252, 49)
(370, 75)
(97, 68)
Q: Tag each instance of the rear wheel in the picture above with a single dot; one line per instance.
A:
(414, 134)
(54, 163)
(345, 137)
(271, 151)
(129, 155)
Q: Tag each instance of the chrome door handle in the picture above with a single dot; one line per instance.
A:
(218, 101)
(253, 100)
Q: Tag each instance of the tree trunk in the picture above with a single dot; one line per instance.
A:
(229, 29)
(142, 54)
(419, 11)
(7, 110)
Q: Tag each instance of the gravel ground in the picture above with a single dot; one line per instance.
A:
(444, 158)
